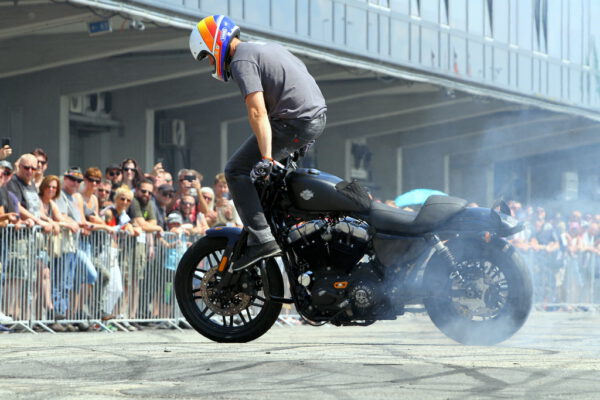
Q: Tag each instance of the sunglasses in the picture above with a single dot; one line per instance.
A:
(7, 172)
(168, 194)
(28, 167)
(73, 179)
(128, 169)
(93, 180)
(114, 173)
(42, 162)
(144, 191)
(125, 199)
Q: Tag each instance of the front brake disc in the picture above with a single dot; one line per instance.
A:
(224, 303)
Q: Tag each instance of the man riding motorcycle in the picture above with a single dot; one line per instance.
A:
(286, 111)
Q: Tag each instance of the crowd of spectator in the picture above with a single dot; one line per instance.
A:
(563, 251)
(119, 199)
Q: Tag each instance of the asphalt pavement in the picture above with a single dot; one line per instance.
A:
(555, 355)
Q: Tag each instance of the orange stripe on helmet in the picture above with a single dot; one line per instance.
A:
(208, 34)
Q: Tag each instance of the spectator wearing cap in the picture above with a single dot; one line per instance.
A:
(42, 166)
(114, 174)
(22, 186)
(163, 196)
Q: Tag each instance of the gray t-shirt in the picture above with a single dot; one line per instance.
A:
(290, 91)
(26, 194)
(66, 205)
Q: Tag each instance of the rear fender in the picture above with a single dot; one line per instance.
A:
(477, 220)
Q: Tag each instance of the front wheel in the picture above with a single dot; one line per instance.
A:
(484, 298)
(239, 313)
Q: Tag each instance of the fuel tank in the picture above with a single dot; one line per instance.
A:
(314, 190)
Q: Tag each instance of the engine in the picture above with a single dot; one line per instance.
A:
(330, 255)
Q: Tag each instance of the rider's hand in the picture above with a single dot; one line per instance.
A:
(262, 169)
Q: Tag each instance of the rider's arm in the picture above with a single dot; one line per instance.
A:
(259, 122)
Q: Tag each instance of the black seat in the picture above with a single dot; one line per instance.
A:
(436, 210)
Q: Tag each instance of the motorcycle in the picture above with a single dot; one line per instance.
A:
(352, 261)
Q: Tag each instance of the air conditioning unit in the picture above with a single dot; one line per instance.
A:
(76, 104)
(172, 133)
(91, 104)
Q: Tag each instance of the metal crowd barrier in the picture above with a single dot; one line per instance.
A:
(114, 279)
(50, 281)
(104, 279)
(565, 281)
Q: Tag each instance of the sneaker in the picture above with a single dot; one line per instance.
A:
(5, 318)
(83, 326)
(128, 326)
(4, 329)
(256, 253)
(70, 328)
(58, 317)
(107, 316)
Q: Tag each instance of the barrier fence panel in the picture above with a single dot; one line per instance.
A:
(54, 281)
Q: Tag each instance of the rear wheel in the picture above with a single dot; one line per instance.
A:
(484, 298)
(240, 313)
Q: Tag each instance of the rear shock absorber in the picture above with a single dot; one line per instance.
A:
(441, 248)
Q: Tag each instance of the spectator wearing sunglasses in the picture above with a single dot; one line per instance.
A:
(22, 186)
(42, 166)
(91, 208)
(163, 196)
(141, 211)
(114, 174)
(116, 215)
(104, 194)
(132, 175)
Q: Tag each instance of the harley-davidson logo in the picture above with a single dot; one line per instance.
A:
(307, 194)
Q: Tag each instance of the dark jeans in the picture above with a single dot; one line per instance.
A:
(288, 136)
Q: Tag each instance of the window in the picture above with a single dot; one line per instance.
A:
(575, 31)
(415, 8)
(540, 15)
(430, 11)
(476, 17)
(500, 21)
(525, 22)
(458, 14)
(489, 19)
(554, 28)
